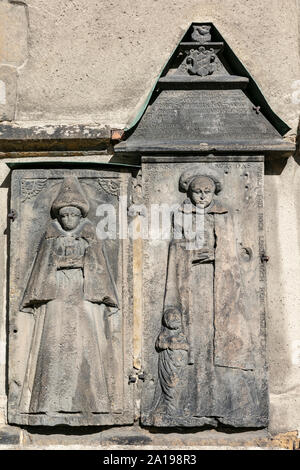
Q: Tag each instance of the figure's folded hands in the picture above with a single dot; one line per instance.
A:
(202, 257)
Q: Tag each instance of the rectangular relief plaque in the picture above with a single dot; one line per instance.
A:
(69, 322)
(204, 301)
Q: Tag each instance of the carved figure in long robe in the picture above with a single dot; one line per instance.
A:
(70, 292)
(173, 347)
(204, 283)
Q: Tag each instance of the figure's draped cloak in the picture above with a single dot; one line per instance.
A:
(98, 282)
(232, 342)
(66, 371)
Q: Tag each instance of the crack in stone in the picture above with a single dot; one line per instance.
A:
(24, 5)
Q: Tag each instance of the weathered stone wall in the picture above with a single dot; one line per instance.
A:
(96, 61)
(71, 62)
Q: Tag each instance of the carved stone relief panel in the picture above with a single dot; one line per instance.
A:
(70, 323)
(204, 309)
(201, 34)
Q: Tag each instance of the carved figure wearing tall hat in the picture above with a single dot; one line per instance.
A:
(69, 292)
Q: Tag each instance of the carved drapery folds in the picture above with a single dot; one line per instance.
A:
(204, 302)
(206, 365)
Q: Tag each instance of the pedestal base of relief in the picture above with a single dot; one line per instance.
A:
(166, 420)
(163, 420)
(9, 435)
(70, 419)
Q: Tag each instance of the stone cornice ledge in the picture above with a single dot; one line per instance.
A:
(23, 136)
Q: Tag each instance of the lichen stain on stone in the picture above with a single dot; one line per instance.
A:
(288, 441)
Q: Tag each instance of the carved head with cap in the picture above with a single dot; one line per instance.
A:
(172, 318)
(200, 189)
(70, 205)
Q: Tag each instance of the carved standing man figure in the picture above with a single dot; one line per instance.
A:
(217, 382)
(69, 292)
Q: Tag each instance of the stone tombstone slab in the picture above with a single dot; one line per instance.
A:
(70, 301)
(203, 138)
(204, 300)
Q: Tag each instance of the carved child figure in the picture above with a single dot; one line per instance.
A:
(172, 346)
(171, 337)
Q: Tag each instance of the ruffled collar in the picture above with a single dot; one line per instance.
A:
(84, 229)
(187, 207)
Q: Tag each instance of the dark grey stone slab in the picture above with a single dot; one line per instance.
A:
(15, 137)
(178, 148)
(208, 116)
(205, 97)
(204, 301)
(70, 313)
(220, 82)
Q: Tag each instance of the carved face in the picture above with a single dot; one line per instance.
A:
(69, 217)
(201, 191)
(172, 319)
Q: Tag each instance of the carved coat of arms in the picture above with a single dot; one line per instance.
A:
(201, 62)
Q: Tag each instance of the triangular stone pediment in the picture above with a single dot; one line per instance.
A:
(206, 100)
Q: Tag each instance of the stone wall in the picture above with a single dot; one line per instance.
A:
(97, 61)
(66, 63)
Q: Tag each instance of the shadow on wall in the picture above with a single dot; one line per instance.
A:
(296, 186)
(7, 184)
(297, 153)
(277, 331)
